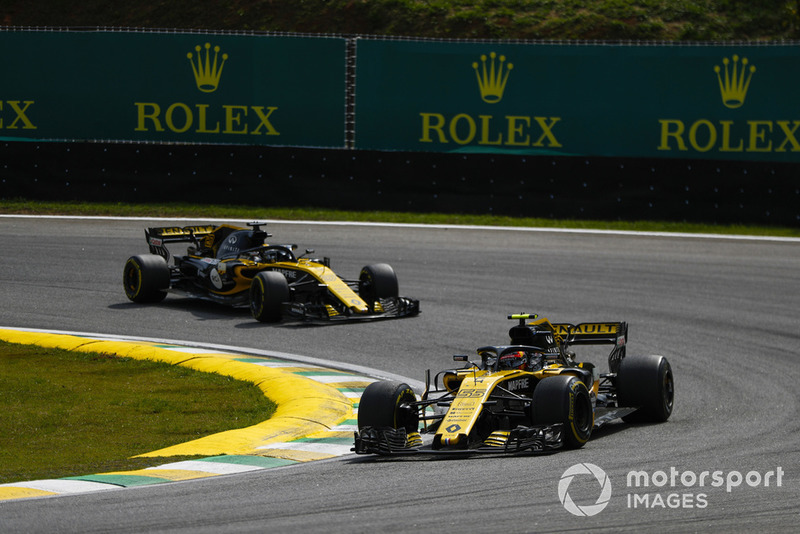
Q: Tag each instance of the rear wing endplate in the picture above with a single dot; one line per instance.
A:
(158, 237)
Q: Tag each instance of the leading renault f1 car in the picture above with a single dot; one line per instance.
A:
(529, 395)
(235, 266)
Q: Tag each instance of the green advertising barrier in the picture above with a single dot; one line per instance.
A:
(735, 102)
(644, 100)
(172, 87)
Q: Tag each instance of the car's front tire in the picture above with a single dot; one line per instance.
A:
(268, 291)
(381, 406)
(146, 278)
(564, 399)
(646, 382)
(377, 281)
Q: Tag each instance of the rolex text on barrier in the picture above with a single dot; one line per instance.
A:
(716, 101)
(710, 102)
(178, 87)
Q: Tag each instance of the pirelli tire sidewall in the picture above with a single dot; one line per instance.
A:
(268, 291)
(381, 406)
(564, 399)
(146, 278)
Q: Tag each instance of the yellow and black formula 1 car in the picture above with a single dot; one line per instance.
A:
(527, 396)
(234, 266)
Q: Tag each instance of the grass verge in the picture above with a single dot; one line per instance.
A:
(504, 19)
(71, 413)
(29, 207)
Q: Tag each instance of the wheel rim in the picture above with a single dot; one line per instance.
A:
(367, 289)
(131, 279)
(257, 300)
(405, 417)
(583, 419)
(668, 390)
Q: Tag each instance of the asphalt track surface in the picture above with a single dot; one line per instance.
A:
(725, 312)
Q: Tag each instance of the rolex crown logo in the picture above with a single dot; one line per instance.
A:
(207, 72)
(492, 79)
(735, 81)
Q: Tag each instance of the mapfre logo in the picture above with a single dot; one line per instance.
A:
(583, 469)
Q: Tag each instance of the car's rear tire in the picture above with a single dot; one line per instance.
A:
(268, 291)
(646, 381)
(380, 406)
(377, 281)
(146, 278)
(564, 399)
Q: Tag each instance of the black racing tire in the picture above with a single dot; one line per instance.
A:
(380, 406)
(564, 399)
(146, 278)
(377, 281)
(268, 291)
(646, 381)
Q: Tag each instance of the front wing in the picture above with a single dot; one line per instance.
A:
(389, 308)
(387, 441)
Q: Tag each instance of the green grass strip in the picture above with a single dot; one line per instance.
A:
(67, 413)
(200, 212)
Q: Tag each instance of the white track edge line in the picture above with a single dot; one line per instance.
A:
(588, 231)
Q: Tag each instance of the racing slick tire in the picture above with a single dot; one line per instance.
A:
(564, 399)
(646, 381)
(146, 278)
(380, 406)
(377, 281)
(268, 291)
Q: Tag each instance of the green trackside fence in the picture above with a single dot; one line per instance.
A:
(643, 101)
(728, 101)
(172, 88)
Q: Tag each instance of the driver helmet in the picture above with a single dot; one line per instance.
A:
(513, 360)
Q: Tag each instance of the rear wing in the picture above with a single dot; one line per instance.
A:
(596, 334)
(592, 333)
(158, 237)
(601, 333)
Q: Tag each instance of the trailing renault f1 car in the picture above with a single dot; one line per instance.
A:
(529, 395)
(235, 266)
